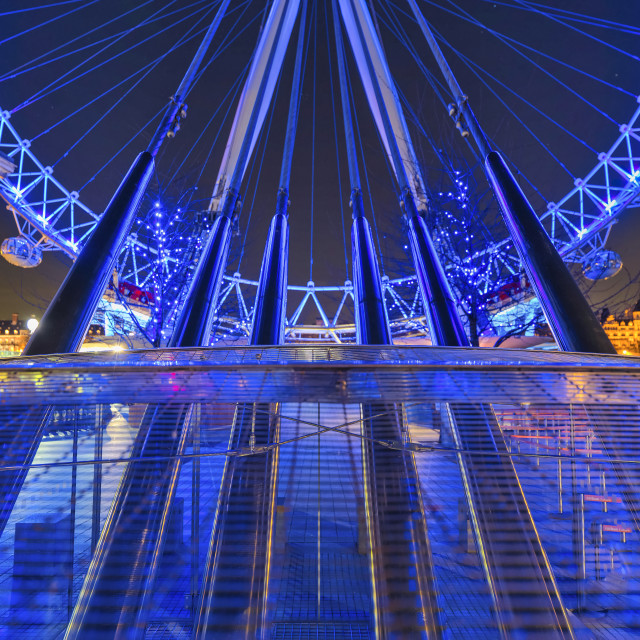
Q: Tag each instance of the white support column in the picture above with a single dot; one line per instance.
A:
(354, 13)
(274, 37)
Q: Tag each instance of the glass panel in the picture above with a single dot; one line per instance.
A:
(317, 518)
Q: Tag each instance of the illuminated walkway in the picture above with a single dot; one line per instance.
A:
(558, 413)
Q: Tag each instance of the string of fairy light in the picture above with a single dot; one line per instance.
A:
(177, 236)
(177, 231)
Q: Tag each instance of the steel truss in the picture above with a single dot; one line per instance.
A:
(56, 219)
(332, 307)
(580, 223)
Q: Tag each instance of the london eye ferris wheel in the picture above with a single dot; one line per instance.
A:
(85, 86)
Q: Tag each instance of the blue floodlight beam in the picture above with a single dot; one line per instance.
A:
(571, 319)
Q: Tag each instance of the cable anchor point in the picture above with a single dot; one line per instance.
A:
(180, 114)
(456, 112)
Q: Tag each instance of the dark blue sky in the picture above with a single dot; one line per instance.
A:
(25, 291)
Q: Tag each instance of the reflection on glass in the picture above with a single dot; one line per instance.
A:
(325, 519)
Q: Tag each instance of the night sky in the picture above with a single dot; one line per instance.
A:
(558, 91)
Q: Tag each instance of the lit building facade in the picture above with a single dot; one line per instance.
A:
(13, 336)
(624, 332)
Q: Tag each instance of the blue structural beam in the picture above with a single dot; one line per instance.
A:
(193, 328)
(372, 326)
(119, 583)
(569, 315)
(233, 597)
(439, 302)
(526, 598)
(445, 326)
(195, 322)
(18, 446)
(170, 123)
(572, 321)
(120, 579)
(115, 597)
(271, 298)
(67, 318)
(482, 445)
(404, 592)
(116, 591)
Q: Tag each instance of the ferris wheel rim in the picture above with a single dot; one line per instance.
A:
(591, 237)
(16, 197)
